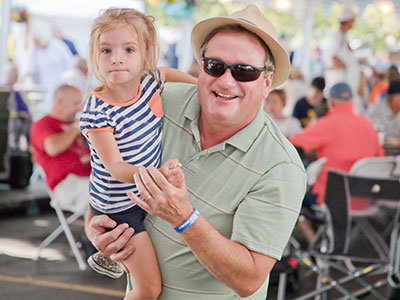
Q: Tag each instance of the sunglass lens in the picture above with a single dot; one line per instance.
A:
(245, 73)
(214, 67)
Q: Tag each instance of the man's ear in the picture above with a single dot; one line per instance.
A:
(267, 84)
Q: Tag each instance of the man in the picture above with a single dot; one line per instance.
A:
(341, 136)
(60, 149)
(342, 64)
(49, 59)
(309, 107)
(385, 113)
(220, 237)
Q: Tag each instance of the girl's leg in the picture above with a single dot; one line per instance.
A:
(143, 268)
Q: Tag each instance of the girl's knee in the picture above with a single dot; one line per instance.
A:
(146, 291)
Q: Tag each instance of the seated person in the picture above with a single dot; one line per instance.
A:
(385, 113)
(313, 105)
(60, 149)
(380, 88)
(274, 105)
(341, 136)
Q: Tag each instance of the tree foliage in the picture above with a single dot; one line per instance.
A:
(372, 28)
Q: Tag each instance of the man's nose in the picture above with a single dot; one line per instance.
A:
(227, 78)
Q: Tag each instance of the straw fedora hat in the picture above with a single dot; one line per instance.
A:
(253, 20)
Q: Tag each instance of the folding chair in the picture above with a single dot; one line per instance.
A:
(63, 227)
(377, 167)
(334, 251)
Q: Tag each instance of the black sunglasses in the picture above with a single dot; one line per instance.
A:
(241, 72)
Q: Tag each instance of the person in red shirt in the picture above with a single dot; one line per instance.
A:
(61, 151)
(341, 136)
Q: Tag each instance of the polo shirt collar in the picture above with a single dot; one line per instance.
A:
(345, 107)
(242, 140)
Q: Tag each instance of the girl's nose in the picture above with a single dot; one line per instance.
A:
(116, 58)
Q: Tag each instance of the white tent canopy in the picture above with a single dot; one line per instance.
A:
(73, 17)
(74, 8)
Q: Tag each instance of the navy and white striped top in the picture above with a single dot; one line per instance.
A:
(137, 130)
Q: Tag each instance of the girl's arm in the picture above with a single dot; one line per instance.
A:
(174, 75)
(107, 149)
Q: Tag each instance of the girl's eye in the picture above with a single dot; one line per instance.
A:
(105, 51)
(130, 50)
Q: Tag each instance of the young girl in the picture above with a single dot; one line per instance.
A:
(122, 123)
(274, 105)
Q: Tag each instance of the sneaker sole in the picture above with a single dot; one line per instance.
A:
(99, 269)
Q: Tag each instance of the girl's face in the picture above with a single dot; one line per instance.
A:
(273, 105)
(120, 57)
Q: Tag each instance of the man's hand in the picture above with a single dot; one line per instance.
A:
(110, 243)
(161, 198)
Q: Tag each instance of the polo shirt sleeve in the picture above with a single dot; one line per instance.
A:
(267, 215)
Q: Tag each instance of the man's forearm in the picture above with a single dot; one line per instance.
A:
(58, 143)
(233, 264)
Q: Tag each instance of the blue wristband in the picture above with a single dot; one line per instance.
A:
(188, 222)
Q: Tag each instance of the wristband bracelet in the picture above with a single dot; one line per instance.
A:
(188, 222)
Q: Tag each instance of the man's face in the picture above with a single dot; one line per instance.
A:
(348, 25)
(395, 102)
(225, 101)
(72, 103)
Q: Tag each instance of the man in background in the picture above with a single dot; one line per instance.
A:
(342, 64)
(61, 151)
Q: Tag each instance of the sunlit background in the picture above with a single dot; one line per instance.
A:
(304, 26)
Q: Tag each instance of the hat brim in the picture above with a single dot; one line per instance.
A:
(281, 58)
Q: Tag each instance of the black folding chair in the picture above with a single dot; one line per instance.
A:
(335, 242)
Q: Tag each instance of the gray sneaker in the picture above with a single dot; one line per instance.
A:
(105, 265)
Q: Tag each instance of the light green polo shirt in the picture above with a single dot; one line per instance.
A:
(250, 188)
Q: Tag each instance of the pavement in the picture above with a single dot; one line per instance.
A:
(56, 275)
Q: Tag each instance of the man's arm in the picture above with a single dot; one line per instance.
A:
(58, 143)
(244, 271)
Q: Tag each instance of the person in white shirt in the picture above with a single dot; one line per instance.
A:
(341, 63)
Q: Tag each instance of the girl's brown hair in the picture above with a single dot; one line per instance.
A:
(281, 94)
(139, 22)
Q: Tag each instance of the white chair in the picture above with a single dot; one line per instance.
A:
(377, 167)
(373, 167)
(313, 170)
(63, 227)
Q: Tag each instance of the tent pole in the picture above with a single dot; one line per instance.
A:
(5, 12)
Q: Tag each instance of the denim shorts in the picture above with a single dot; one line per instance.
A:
(134, 217)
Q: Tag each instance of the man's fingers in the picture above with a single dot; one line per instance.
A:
(159, 179)
(119, 244)
(103, 221)
(111, 241)
(123, 254)
(142, 203)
